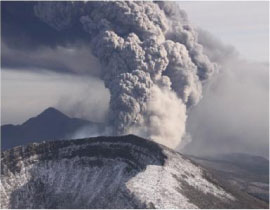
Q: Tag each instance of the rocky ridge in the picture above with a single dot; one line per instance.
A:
(110, 172)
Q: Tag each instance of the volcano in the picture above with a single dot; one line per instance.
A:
(111, 172)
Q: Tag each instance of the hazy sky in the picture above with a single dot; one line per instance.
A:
(245, 25)
(233, 114)
(26, 94)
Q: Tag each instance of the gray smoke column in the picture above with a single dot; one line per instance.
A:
(151, 62)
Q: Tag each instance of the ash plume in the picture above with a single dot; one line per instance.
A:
(151, 62)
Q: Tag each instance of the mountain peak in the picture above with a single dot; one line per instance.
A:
(51, 111)
(51, 124)
(48, 116)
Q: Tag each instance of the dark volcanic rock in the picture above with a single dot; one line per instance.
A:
(110, 172)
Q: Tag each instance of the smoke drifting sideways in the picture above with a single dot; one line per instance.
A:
(150, 58)
(233, 116)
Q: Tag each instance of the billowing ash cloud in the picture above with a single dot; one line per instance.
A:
(151, 62)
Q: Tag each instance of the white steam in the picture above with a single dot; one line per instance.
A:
(150, 58)
(165, 112)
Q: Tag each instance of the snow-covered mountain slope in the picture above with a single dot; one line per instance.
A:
(110, 172)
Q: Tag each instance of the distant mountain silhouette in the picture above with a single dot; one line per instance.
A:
(51, 124)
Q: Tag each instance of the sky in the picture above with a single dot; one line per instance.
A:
(231, 117)
(244, 25)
